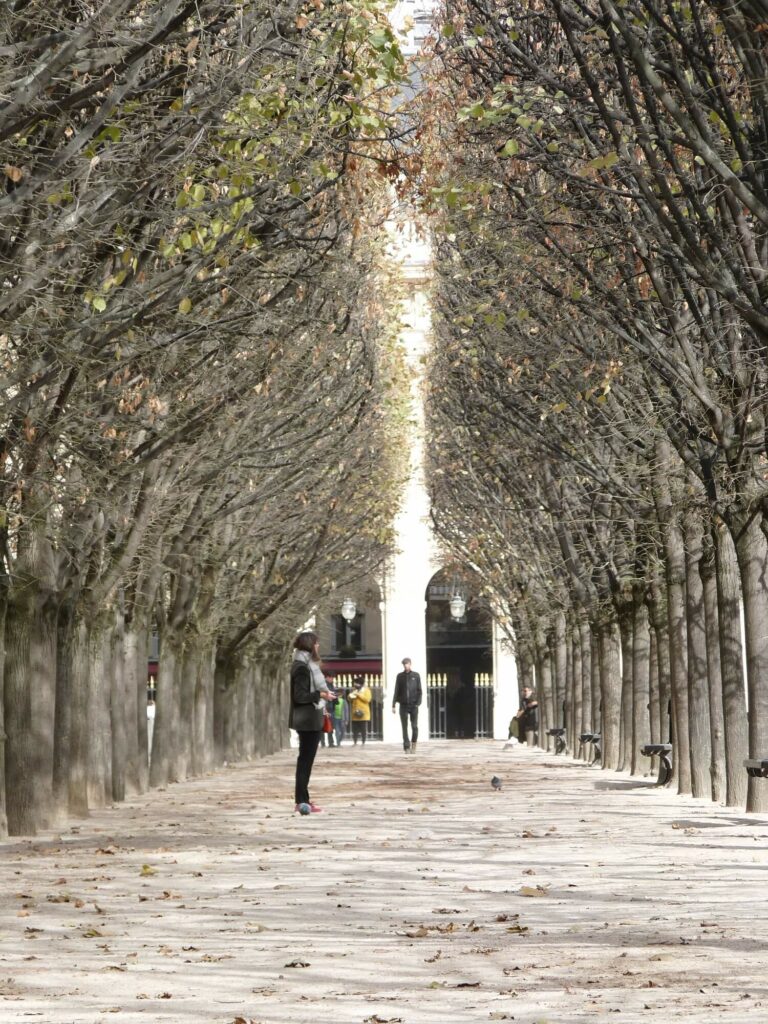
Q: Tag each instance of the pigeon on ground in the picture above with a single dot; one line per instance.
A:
(496, 783)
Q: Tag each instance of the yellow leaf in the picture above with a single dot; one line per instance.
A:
(529, 890)
(185, 305)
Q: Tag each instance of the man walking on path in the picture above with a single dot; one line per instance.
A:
(408, 696)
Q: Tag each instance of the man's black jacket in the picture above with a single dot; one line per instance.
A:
(407, 689)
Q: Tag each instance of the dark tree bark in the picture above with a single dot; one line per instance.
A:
(641, 661)
(752, 555)
(699, 694)
(731, 666)
(625, 618)
(714, 671)
(610, 692)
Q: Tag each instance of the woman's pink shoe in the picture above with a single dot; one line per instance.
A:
(314, 808)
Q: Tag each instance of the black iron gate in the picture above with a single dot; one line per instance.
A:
(483, 706)
(437, 694)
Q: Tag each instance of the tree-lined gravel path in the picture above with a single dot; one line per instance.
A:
(420, 896)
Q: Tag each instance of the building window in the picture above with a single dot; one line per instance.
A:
(347, 636)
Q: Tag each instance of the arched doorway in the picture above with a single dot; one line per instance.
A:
(459, 660)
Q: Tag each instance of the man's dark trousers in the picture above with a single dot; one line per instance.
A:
(409, 711)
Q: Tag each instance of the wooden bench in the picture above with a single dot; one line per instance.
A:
(559, 735)
(664, 753)
(757, 768)
(594, 739)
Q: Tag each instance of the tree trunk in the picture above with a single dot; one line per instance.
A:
(625, 719)
(544, 674)
(99, 718)
(42, 683)
(714, 673)
(577, 688)
(595, 677)
(610, 692)
(678, 655)
(585, 644)
(249, 721)
(641, 661)
(660, 625)
(187, 687)
(654, 721)
(135, 671)
(78, 671)
(698, 682)
(121, 717)
(661, 701)
(167, 710)
(562, 684)
(222, 690)
(19, 745)
(208, 690)
(666, 476)
(245, 681)
(3, 611)
(731, 667)
(272, 733)
(63, 716)
(752, 554)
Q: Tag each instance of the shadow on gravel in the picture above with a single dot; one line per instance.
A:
(627, 784)
(722, 822)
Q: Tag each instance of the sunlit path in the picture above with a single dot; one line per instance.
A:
(421, 895)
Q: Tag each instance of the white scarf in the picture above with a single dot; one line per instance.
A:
(317, 681)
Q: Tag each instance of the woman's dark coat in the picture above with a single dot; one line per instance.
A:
(304, 717)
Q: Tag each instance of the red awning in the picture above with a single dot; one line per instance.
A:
(355, 666)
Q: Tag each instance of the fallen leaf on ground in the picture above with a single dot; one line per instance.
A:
(530, 890)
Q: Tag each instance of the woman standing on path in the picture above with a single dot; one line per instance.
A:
(309, 692)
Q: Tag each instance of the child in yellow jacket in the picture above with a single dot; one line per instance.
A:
(359, 709)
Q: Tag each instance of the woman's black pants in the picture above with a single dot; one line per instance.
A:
(308, 744)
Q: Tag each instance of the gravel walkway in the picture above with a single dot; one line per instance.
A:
(421, 896)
